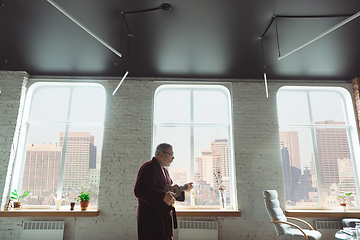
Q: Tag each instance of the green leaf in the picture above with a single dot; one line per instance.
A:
(83, 196)
(26, 193)
(17, 196)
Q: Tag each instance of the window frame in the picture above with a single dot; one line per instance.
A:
(352, 134)
(16, 179)
(201, 87)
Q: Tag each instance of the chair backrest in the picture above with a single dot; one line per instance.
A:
(272, 205)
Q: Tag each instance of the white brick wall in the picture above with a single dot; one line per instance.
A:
(12, 86)
(127, 145)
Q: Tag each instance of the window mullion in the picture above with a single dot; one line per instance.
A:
(315, 152)
(351, 150)
(63, 151)
(353, 162)
(173, 124)
(322, 126)
(192, 154)
(68, 122)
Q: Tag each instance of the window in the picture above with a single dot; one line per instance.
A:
(196, 121)
(318, 138)
(60, 143)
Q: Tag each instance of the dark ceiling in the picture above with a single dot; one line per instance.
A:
(216, 39)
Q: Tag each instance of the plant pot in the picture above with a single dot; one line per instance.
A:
(343, 206)
(17, 205)
(84, 205)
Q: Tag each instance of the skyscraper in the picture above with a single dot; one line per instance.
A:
(214, 161)
(332, 144)
(286, 173)
(290, 140)
(205, 165)
(41, 171)
(298, 186)
(80, 157)
(219, 148)
(346, 177)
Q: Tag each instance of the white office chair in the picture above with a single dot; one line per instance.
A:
(282, 226)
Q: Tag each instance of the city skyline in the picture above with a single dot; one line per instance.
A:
(335, 169)
(42, 168)
(213, 161)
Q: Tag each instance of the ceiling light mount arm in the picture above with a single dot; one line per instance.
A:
(164, 6)
(305, 17)
(272, 20)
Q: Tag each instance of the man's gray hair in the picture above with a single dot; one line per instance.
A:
(161, 148)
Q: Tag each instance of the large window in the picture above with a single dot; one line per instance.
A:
(196, 120)
(60, 143)
(318, 138)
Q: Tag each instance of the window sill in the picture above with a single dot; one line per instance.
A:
(207, 213)
(49, 213)
(323, 213)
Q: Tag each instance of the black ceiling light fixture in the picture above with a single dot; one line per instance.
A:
(274, 17)
(164, 6)
(348, 19)
(2, 4)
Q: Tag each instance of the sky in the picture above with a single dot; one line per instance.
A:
(50, 105)
(211, 109)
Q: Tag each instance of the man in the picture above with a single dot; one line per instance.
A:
(153, 217)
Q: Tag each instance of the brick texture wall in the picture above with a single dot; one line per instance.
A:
(12, 96)
(127, 145)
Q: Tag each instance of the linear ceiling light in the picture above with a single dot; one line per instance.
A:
(123, 78)
(83, 27)
(321, 35)
(266, 86)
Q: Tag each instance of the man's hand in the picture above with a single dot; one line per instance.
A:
(190, 186)
(169, 198)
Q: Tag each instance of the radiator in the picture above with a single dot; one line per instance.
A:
(41, 230)
(198, 230)
(328, 228)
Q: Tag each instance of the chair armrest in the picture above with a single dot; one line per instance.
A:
(293, 225)
(300, 220)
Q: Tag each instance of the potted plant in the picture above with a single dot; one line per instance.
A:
(342, 198)
(17, 197)
(84, 198)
